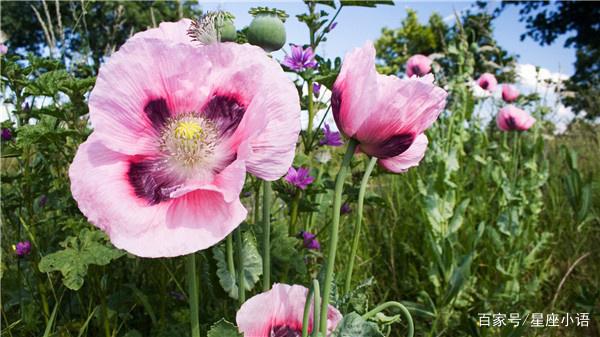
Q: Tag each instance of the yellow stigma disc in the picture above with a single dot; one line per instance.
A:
(188, 130)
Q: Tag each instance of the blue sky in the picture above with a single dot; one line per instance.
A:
(358, 24)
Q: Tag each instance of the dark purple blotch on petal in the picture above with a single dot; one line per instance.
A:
(226, 112)
(150, 181)
(284, 331)
(392, 146)
(511, 123)
(157, 112)
(336, 104)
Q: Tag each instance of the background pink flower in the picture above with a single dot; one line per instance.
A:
(419, 65)
(278, 312)
(487, 82)
(509, 93)
(176, 127)
(385, 114)
(511, 118)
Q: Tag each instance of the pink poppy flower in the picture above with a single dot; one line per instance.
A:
(511, 118)
(176, 128)
(279, 312)
(385, 114)
(509, 93)
(487, 82)
(419, 65)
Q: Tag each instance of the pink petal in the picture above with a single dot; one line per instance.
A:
(145, 71)
(283, 305)
(410, 158)
(402, 107)
(104, 195)
(354, 89)
(175, 32)
(194, 221)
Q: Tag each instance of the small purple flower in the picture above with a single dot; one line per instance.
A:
(345, 208)
(23, 248)
(332, 26)
(3, 49)
(301, 59)
(43, 201)
(177, 295)
(299, 178)
(316, 89)
(6, 134)
(331, 138)
(310, 240)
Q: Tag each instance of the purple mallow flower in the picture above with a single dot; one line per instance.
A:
(299, 178)
(301, 59)
(6, 134)
(310, 240)
(345, 208)
(23, 248)
(331, 138)
(316, 89)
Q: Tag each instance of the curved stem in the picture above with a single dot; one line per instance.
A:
(335, 224)
(190, 269)
(405, 312)
(357, 226)
(229, 249)
(266, 222)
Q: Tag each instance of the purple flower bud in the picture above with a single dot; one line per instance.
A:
(316, 89)
(310, 240)
(332, 26)
(23, 248)
(345, 208)
(300, 178)
(43, 201)
(6, 134)
(300, 59)
(331, 138)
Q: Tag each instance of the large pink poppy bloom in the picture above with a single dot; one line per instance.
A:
(509, 93)
(279, 312)
(487, 82)
(385, 114)
(176, 128)
(511, 118)
(419, 65)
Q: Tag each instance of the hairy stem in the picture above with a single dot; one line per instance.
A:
(266, 222)
(190, 269)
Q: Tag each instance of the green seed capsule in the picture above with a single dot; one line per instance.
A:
(227, 32)
(267, 31)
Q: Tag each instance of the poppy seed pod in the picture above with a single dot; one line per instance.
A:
(267, 30)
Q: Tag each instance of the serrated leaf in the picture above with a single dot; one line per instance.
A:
(252, 266)
(89, 247)
(353, 325)
(223, 329)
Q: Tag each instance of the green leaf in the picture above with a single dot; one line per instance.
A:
(353, 325)
(366, 3)
(90, 247)
(252, 266)
(223, 329)
(460, 276)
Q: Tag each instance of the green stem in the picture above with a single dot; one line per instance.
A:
(229, 249)
(311, 111)
(335, 224)
(294, 215)
(190, 269)
(306, 314)
(317, 308)
(405, 312)
(240, 273)
(266, 222)
(357, 226)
